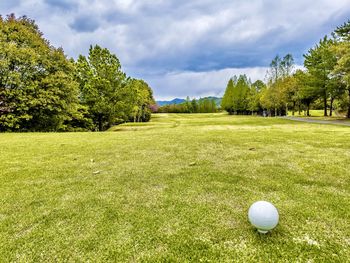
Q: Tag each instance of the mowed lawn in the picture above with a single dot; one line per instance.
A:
(176, 189)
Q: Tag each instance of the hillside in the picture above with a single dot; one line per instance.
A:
(179, 101)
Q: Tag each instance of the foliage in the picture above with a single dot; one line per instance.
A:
(327, 78)
(342, 68)
(203, 105)
(110, 96)
(41, 90)
(279, 90)
(37, 87)
(137, 98)
(100, 78)
(237, 95)
(227, 99)
(320, 62)
(254, 104)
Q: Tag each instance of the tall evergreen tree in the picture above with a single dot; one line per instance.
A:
(227, 100)
(240, 95)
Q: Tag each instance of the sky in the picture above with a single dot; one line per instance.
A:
(186, 47)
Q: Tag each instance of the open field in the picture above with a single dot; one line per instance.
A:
(176, 189)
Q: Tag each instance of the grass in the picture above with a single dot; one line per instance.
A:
(319, 115)
(176, 189)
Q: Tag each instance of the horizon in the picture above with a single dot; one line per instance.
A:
(218, 40)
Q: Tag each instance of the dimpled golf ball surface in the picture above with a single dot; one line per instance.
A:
(263, 215)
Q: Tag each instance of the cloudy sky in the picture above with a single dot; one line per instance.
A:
(186, 47)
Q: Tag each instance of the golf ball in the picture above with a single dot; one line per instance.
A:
(263, 215)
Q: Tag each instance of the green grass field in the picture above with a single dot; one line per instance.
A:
(176, 189)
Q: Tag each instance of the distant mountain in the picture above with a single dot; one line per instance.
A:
(217, 100)
(179, 101)
(169, 102)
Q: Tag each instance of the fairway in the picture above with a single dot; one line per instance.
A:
(176, 189)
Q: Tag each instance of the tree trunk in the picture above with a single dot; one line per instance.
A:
(100, 122)
(325, 105)
(293, 110)
(299, 109)
(308, 110)
(286, 109)
(331, 107)
(275, 112)
(348, 115)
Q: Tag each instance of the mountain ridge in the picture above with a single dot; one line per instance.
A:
(179, 101)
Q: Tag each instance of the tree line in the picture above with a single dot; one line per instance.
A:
(205, 105)
(324, 83)
(42, 90)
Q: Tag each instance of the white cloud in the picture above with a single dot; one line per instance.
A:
(204, 40)
(199, 84)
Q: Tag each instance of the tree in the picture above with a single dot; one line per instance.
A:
(37, 87)
(320, 62)
(306, 91)
(194, 106)
(227, 100)
(100, 78)
(135, 102)
(280, 68)
(269, 99)
(274, 97)
(274, 73)
(342, 52)
(287, 65)
(254, 96)
(203, 105)
(240, 95)
(213, 107)
(188, 105)
(235, 99)
(343, 32)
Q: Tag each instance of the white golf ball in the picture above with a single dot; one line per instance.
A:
(263, 215)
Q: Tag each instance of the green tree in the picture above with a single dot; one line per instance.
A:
(254, 96)
(135, 101)
(227, 100)
(240, 95)
(194, 105)
(269, 99)
(101, 79)
(188, 104)
(307, 93)
(274, 97)
(213, 107)
(343, 32)
(290, 92)
(320, 62)
(37, 87)
(342, 52)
